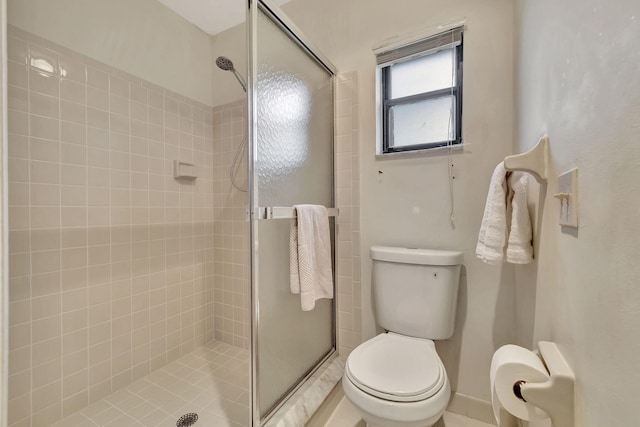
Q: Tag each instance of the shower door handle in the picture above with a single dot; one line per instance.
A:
(276, 212)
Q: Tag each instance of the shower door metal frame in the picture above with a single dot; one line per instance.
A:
(295, 34)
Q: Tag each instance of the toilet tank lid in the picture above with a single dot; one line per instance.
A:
(416, 256)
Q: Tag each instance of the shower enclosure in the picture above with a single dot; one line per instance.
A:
(291, 127)
(149, 215)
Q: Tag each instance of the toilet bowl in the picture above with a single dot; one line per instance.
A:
(397, 379)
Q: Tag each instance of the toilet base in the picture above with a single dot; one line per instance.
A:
(386, 423)
(380, 425)
(395, 414)
(438, 423)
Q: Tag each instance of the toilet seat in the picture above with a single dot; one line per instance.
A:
(396, 368)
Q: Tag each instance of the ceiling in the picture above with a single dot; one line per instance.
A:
(212, 16)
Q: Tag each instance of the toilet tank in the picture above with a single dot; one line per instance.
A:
(415, 291)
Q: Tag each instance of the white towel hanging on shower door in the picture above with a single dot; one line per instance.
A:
(311, 273)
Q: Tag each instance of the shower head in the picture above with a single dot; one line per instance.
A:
(226, 64)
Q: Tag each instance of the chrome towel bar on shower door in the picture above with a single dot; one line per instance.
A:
(274, 212)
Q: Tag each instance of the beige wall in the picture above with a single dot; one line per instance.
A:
(578, 81)
(141, 37)
(407, 204)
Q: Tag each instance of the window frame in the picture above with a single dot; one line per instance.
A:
(386, 102)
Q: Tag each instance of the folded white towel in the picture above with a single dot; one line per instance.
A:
(294, 276)
(493, 229)
(519, 245)
(506, 220)
(311, 273)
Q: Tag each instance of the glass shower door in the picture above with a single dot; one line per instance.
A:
(291, 101)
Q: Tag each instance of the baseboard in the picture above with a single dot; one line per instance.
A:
(471, 407)
(322, 415)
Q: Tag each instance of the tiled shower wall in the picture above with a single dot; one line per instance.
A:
(348, 200)
(231, 228)
(111, 258)
(115, 265)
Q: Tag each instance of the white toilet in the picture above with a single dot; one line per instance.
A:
(397, 379)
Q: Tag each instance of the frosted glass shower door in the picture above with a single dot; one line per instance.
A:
(292, 148)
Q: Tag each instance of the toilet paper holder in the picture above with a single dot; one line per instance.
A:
(555, 396)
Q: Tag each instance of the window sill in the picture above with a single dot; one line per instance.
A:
(426, 152)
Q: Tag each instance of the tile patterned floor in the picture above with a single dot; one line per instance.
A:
(212, 381)
(346, 415)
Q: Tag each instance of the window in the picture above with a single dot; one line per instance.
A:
(420, 94)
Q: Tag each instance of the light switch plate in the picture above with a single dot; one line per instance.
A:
(568, 184)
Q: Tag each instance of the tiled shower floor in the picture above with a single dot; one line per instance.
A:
(212, 381)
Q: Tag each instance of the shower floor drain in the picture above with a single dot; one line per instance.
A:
(187, 420)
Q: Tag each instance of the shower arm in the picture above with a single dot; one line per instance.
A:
(240, 79)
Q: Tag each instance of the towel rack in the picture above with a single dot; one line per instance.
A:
(534, 161)
(275, 212)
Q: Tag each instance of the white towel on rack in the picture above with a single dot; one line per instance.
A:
(311, 273)
(506, 220)
(519, 245)
(492, 236)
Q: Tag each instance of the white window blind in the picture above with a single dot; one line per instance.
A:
(446, 39)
